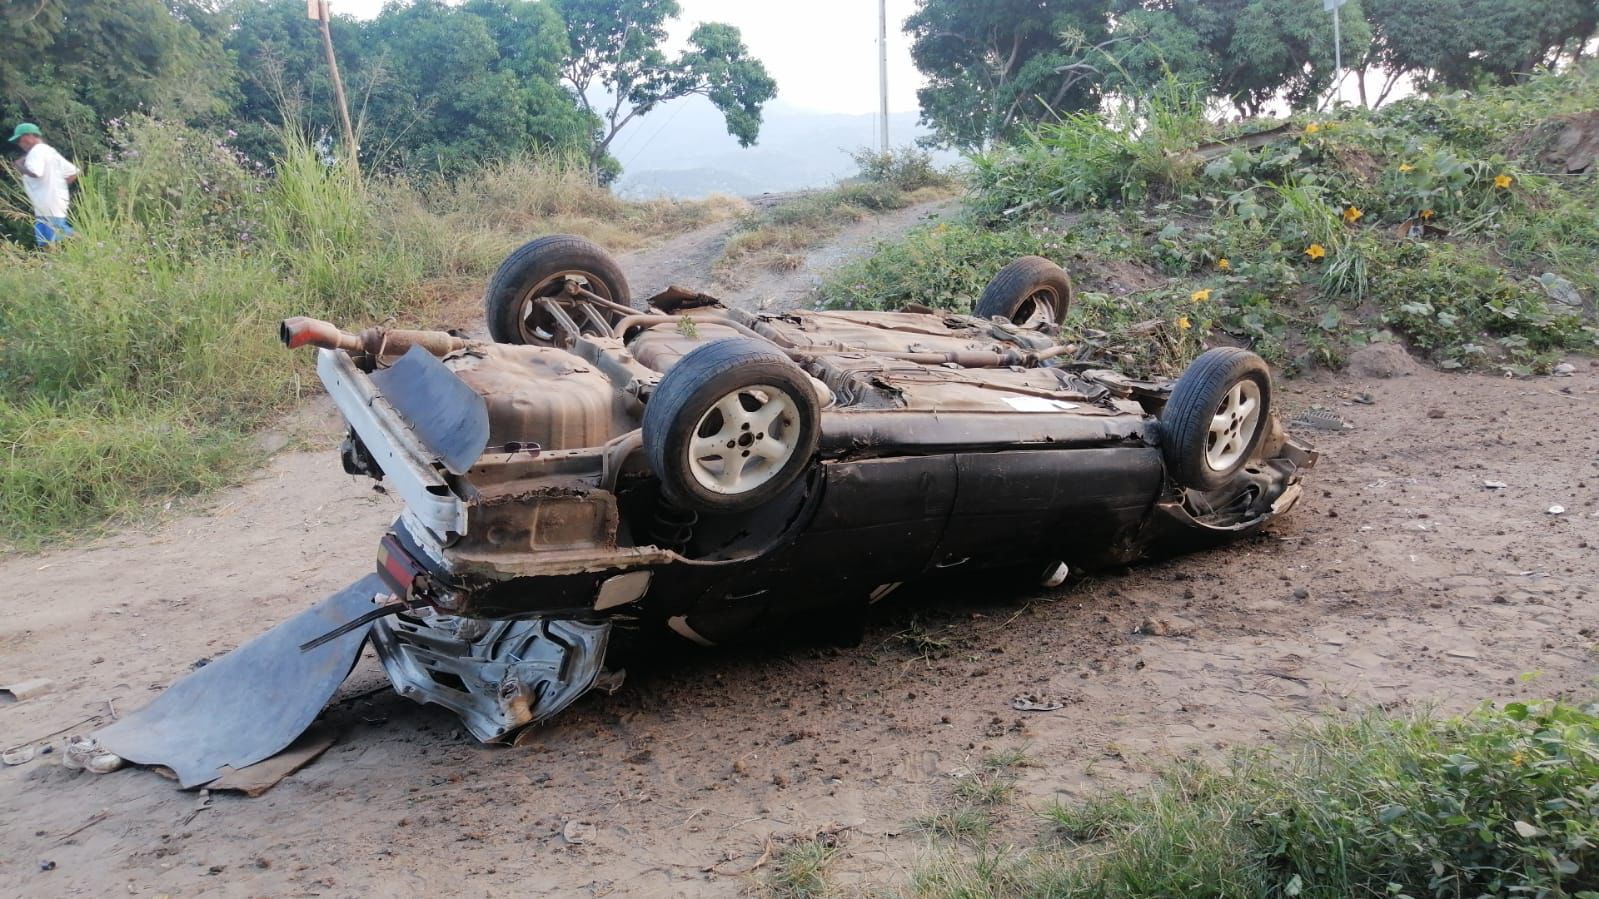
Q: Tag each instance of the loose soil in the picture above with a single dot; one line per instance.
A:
(1401, 581)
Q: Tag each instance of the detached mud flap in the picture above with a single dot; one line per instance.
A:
(253, 702)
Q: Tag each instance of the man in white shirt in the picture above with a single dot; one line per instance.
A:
(45, 175)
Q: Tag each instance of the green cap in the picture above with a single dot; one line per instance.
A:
(26, 128)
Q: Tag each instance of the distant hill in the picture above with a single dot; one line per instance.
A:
(684, 151)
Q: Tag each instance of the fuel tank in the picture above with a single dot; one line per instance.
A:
(544, 396)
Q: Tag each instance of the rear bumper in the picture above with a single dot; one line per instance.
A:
(404, 461)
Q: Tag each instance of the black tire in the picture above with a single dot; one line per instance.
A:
(1020, 289)
(1195, 456)
(684, 409)
(539, 268)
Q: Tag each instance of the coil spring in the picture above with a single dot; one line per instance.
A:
(673, 528)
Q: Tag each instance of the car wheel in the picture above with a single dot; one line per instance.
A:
(1216, 417)
(730, 426)
(1030, 292)
(540, 269)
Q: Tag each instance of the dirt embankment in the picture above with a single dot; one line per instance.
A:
(1404, 579)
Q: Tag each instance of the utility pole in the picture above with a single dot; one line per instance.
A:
(882, 73)
(318, 9)
(1338, 46)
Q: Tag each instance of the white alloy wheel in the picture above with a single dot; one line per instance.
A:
(744, 440)
(1232, 428)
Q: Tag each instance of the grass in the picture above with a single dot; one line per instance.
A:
(962, 823)
(1497, 803)
(137, 360)
(1426, 222)
(776, 239)
(800, 868)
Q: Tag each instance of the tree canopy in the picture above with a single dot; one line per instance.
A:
(616, 48)
(434, 86)
(73, 64)
(1462, 43)
(994, 67)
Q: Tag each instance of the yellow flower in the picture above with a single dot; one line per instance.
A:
(1426, 214)
(1352, 214)
(1503, 181)
(1312, 128)
(1518, 759)
(1201, 295)
(1183, 323)
(1406, 167)
(1316, 251)
(1224, 264)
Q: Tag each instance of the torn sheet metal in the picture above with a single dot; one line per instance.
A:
(249, 704)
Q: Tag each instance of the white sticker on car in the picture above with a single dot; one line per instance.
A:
(1038, 404)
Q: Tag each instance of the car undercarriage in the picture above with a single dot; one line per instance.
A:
(600, 470)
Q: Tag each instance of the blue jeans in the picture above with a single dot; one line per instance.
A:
(48, 230)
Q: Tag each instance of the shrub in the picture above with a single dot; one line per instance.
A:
(1498, 803)
(136, 359)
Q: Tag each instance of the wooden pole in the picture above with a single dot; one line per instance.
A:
(338, 89)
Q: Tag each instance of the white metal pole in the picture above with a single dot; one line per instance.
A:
(882, 48)
(1338, 56)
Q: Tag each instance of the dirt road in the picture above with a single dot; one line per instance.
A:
(1402, 580)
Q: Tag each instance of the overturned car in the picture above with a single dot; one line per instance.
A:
(599, 468)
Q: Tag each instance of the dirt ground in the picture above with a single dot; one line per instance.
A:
(1402, 581)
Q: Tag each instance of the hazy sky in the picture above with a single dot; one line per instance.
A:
(823, 53)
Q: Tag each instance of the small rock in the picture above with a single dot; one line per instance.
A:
(1461, 653)
(1560, 290)
(22, 691)
(47, 865)
(1437, 413)
(20, 755)
(1557, 510)
(1382, 360)
(1564, 370)
(1165, 627)
(1495, 485)
(1301, 593)
(579, 832)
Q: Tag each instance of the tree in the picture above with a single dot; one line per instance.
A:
(1249, 51)
(1461, 43)
(73, 64)
(434, 87)
(463, 85)
(994, 67)
(616, 48)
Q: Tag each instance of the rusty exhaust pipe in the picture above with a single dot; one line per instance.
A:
(378, 343)
(302, 331)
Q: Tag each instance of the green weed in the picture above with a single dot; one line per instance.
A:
(1497, 803)
(136, 359)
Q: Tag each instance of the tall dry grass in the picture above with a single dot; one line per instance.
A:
(137, 359)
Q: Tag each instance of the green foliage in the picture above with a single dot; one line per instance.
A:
(1453, 301)
(70, 65)
(1425, 220)
(1139, 150)
(616, 46)
(137, 359)
(1465, 43)
(434, 87)
(1498, 803)
(994, 68)
(1247, 51)
(906, 168)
